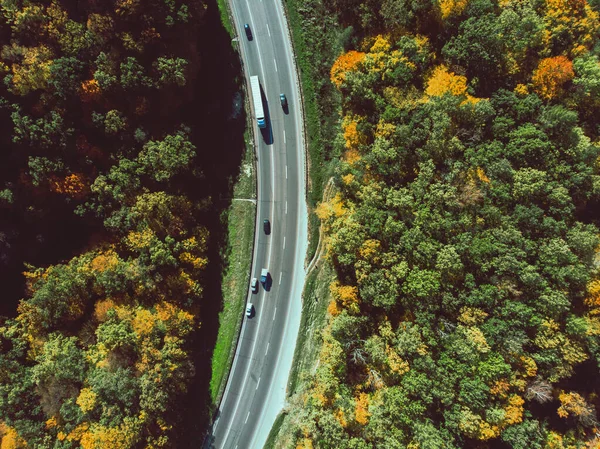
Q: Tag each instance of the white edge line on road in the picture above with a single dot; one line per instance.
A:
(268, 30)
(274, 313)
(275, 61)
(284, 242)
(257, 384)
(259, 440)
(247, 416)
(267, 348)
(237, 402)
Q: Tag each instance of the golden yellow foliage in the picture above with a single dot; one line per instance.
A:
(78, 432)
(362, 409)
(348, 179)
(451, 7)
(443, 81)
(51, 423)
(106, 260)
(529, 365)
(175, 316)
(521, 90)
(127, 7)
(11, 439)
(101, 437)
(345, 63)
(139, 240)
(34, 70)
(476, 338)
(346, 295)
(554, 441)
(571, 21)
(370, 250)
(573, 404)
(333, 309)
(341, 417)
(385, 130)
(381, 59)
(334, 208)
(482, 176)
(86, 400)
(198, 263)
(514, 410)
(500, 388)
(398, 365)
(143, 322)
(305, 443)
(593, 297)
(472, 316)
(352, 136)
(351, 156)
(381, 44)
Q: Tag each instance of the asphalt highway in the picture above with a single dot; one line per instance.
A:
(255, 391)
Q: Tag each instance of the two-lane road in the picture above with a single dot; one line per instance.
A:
(255, 391)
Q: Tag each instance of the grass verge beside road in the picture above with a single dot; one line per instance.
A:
(314, 307)
(226, 17)
(240, 223)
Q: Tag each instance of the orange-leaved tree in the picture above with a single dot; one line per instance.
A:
(551, 75)
(345, 63)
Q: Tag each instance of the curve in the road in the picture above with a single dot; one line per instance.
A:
(255, 391)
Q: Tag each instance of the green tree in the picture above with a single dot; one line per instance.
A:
(171, 71)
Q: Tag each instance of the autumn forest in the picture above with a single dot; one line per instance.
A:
(463, 227)
(108, 219)
(461, 222)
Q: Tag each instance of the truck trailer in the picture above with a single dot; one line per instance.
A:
(257, 100)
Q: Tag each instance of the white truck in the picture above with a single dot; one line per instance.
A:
(257, 100)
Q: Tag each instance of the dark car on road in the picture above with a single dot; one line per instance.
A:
(248, 31)
(283, 100)
(267, 226)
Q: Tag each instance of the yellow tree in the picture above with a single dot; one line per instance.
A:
(573, 404)
(451, 8)
(346, 295)
(443, 81)
(33, 70)
(572, 26)
(10, 439)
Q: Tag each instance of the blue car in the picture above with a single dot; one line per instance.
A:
(248, 31)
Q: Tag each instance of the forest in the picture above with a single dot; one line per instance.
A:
(464, 232)
(105, 211)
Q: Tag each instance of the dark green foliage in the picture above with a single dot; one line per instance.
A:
(466, 222)
(99, 346)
